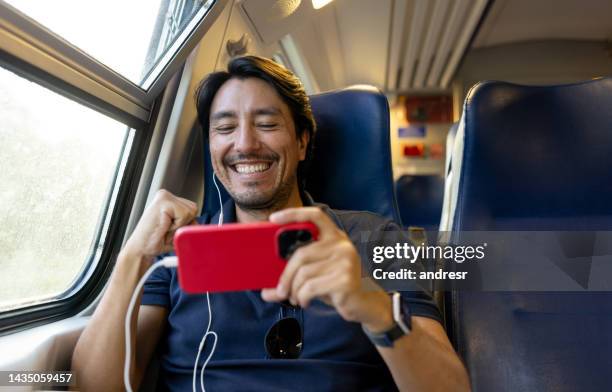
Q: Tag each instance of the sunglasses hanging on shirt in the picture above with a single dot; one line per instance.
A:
(285, 338)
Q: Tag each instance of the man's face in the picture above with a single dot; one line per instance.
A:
(253, 144)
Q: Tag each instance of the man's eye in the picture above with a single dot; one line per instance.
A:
(224, 128)
(267, 125)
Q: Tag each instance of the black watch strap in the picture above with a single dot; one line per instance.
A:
(401, 324)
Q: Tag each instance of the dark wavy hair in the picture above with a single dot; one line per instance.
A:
(286, 84)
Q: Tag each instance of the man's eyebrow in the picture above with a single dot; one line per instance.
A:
(222, 114)
(270, 111)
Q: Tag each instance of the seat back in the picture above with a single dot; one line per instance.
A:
(420, 200)
(533, 158)
(351, 167)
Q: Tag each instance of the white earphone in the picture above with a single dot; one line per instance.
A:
(208, 331)
(171, 262)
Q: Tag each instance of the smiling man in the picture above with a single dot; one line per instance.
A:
(254, 145)
(320, 329)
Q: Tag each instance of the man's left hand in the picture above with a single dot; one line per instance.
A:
(329, 269)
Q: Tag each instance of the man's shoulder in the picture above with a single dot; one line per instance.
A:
(351, 220)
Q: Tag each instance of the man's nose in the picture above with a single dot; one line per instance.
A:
(246, 138)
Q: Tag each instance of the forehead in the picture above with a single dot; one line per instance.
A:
(247, 95)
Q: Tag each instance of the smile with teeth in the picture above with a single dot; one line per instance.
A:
(247, 168)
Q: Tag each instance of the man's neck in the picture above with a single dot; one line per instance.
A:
(248, 216)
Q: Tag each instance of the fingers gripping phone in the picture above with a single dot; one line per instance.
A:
(236, 257)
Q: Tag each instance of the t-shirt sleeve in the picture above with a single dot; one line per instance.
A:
(157, 288)
(422, 304)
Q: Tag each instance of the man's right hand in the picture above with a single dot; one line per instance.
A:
(154, 233)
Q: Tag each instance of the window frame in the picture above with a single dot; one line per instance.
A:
(22, 38)
(33, 52)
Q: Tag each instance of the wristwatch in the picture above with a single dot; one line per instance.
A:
(401, 323)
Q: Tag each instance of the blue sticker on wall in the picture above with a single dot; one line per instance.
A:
(412, 131)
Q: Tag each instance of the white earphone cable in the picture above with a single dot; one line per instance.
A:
(201, 347)
(208, 331)
(220, 221)
(168, 262)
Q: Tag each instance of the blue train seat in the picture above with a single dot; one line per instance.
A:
(420, 200)
(533, 158)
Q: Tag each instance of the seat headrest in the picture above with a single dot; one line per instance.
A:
(351, 167)
(535, 157)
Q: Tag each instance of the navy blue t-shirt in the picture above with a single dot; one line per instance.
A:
(336, 354)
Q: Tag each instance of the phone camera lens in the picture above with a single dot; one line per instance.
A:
(290, 240)
(304, 236)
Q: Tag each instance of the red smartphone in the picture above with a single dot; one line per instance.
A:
(237, 256)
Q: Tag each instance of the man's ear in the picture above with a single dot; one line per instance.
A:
(303, 144)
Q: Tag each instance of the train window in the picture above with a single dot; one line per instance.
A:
(139, 37)
(78, 87)
(59, 161)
